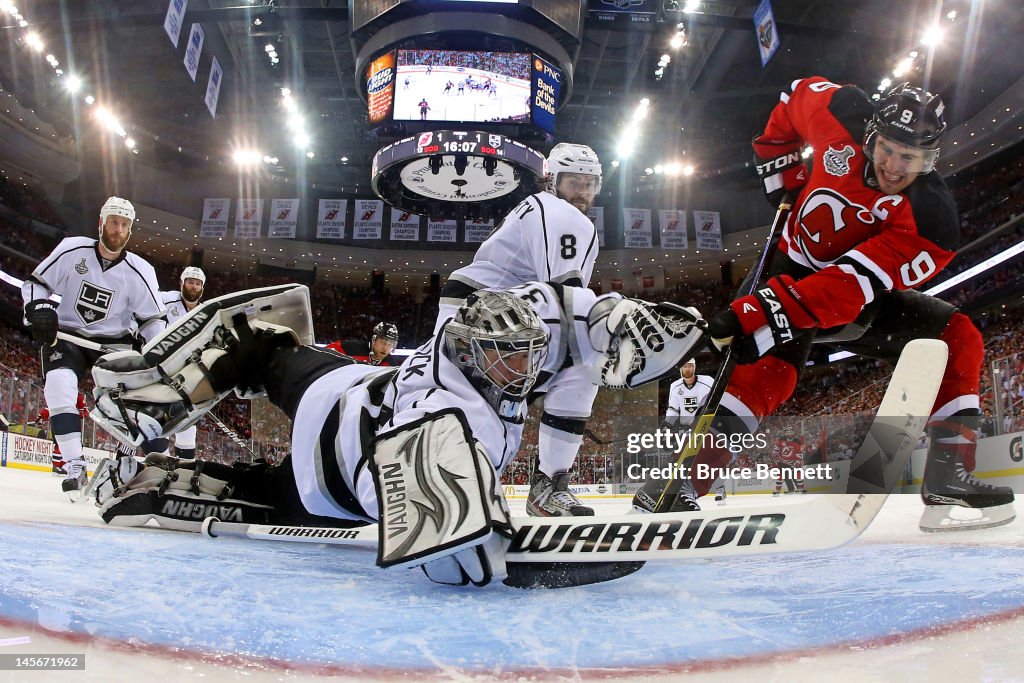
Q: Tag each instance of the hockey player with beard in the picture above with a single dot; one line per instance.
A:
(872, 221)
(418, 449)
(687, 395)
(377, 352)
(192, 285)
(108, 296)
(547, 238)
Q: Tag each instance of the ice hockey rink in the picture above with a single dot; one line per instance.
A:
(896, 604)
(510, 98)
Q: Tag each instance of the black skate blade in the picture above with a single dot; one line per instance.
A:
(566, 574)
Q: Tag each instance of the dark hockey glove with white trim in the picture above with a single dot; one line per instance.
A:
(41, 315)
(780, 167)
(757, 323)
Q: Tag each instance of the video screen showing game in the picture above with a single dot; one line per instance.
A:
(462, 86)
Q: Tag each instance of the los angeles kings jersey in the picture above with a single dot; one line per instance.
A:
(684, 402)
(342, 412)
(96, 301)
(858, 240)
(543, 239)
(174, 304)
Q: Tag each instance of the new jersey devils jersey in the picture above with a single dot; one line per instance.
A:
(98, 299)
(857, 240)
(787, 453)
(359, 350)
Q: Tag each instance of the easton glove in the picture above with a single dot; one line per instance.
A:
(757, 323)
(780, 167)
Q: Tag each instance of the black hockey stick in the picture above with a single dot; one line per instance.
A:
(232, 434)
(86, 343)
(670, 492)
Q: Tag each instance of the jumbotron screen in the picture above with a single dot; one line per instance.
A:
(462, 86)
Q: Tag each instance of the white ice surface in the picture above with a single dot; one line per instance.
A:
(895, 605)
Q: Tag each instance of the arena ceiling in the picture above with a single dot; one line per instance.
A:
(713, 98)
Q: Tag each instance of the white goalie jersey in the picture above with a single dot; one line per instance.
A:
(342, 413)
(97, 299)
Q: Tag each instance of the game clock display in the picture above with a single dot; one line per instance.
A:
(456, 173)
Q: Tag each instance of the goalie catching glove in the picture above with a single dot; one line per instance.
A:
(755, 324)
(644, 342)
(440, 501)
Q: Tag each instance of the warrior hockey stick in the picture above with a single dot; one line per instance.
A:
(670, 491)
(601, 548)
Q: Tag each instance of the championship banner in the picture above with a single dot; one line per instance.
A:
(673, 228)
(194, 50)
(368, 219)
(766, 30)
(477, 231)
(248, 219)
(215, 218)
(284, 214)
(172, 22)
(441, 231)
(708, 227)
(637, 224)
(213, 87)
(405, 226)
(330, 219)
(596, 216)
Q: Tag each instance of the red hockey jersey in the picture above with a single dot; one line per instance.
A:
(859, 240)
(359, 350)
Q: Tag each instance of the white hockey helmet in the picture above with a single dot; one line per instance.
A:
(194, 273)
(115, 206)
(566, 157)
(497, 341)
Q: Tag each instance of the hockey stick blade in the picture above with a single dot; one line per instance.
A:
(566, 574)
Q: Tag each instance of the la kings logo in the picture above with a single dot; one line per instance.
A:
(93, 303)
(837, 161)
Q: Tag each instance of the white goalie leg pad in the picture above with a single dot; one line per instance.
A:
(645, 342)
(440, 501)
(166, 405)
(285, 306)
(179, 498)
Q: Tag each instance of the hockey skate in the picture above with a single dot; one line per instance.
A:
(646, 498)
(955, 499)
(76, 478)
(551, 497)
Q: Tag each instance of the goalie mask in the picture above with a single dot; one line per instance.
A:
(497, 342)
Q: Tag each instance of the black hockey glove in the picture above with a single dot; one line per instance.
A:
(780, 167)
(41, 315)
